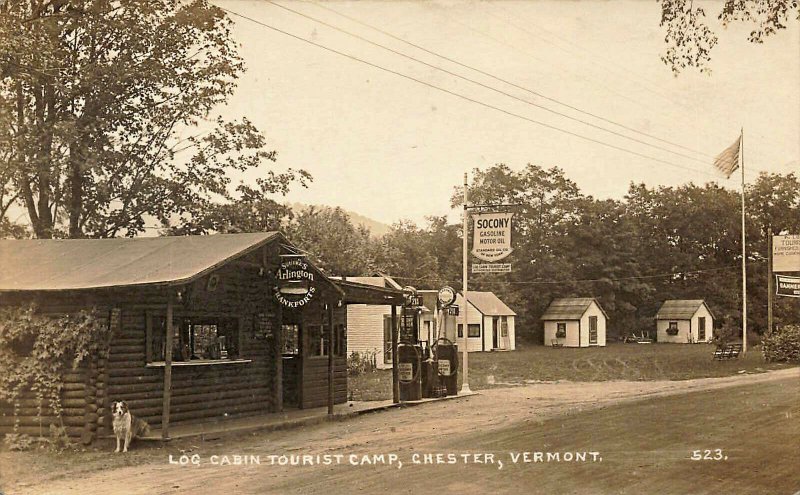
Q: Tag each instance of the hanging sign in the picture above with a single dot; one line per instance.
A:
(787, 286)
(786, 253)
(452, 310)
(491, 267)
(295, 282)
(492, 236)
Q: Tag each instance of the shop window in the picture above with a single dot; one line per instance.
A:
(290, 340)
(193, 338)
(460, 330)
(561, 330)
(474, 330)
(672, 329)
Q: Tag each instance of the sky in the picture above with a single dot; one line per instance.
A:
(391, 148)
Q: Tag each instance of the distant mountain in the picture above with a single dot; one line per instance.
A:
(376, 228)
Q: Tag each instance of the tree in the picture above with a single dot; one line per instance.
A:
(690, 41)
(107, 108)
(335, 245)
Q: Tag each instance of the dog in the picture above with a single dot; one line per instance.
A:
(126, 425)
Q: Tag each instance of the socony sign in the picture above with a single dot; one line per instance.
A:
(492, 236)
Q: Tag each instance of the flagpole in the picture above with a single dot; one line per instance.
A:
(744, 250)
(465, 332)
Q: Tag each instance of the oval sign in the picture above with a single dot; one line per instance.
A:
(295, 283)
(446, 296)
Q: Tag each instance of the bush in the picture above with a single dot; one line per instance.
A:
(359, 363)
(17, 441)
(782, 345)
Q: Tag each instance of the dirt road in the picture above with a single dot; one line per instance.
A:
(345, 457)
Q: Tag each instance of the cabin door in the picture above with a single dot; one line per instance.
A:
(592, 330)
(292, 356)
(495, 333)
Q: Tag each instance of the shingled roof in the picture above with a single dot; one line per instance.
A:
(71, 264)
(487, 303)
(680, 309)
(570, 308)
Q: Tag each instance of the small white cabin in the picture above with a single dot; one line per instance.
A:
(575, 322)
(684, 321)
(490, 322)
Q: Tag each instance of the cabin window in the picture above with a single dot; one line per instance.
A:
(504, 326)
(317, 341)
(474, 330)
(701, 327)
(193, 338)
(290, 340)
(387, 338)
(561, 330)
(672, 329)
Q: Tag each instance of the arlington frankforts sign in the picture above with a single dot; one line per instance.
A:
(492, 239)
(295, 282)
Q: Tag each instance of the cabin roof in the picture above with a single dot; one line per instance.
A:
(680, 309)
(570, 308)
(487, 303)
(72, 264)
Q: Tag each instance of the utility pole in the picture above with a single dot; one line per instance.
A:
(770, 281)
(465, 262)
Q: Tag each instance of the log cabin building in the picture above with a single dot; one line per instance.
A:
(202, 327)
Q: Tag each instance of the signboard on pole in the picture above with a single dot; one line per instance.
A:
(491, 267)
(787, 286)
(786, 253)
(492, 236)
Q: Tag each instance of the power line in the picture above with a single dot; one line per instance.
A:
(463, 97)
(491, 88)
(604, 279)
(510, 83)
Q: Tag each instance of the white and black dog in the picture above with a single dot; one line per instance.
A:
(126, 425)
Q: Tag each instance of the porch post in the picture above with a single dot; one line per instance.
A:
(330, 359)
(278, 344)
(167, 370)
(395, 378)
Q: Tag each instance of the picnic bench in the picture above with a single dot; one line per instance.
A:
(727, 351)
(556, 343)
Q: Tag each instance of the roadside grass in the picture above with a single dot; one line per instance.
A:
(536, 363)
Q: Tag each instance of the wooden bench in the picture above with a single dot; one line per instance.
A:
(556, 343)
(727, 351)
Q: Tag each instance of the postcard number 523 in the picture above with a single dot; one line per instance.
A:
(708, 455)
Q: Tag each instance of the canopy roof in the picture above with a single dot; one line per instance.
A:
(680, 309)
(71, 264)
(570, 308)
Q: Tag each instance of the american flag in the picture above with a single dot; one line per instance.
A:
(728, 161)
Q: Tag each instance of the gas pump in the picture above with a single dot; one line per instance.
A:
(410, 354)
(440, 369)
